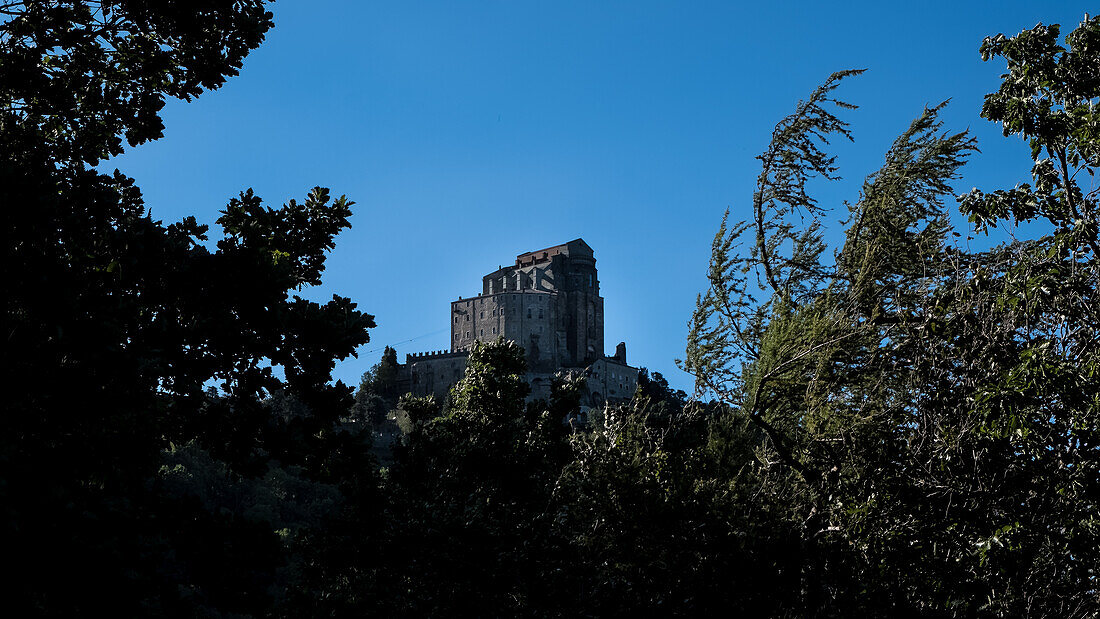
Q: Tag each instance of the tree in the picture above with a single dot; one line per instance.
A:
(659, 507)
(377, 394)
(1048, 97)
(472, 485)
(656, 390)
(79, 76)
(118, 324)
(930, 413)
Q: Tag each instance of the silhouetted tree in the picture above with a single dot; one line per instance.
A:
(117, 325)
(378, 390)
(473, 484)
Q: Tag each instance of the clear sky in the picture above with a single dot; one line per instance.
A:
(469, 132)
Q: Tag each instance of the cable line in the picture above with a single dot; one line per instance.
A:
(411, 339)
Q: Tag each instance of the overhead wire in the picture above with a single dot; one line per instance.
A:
(411, 339)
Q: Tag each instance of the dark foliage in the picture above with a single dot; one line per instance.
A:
(117, 324)
(906, 429)
(931, 413)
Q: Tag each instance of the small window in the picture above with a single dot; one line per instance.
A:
(540, 312)
(482, 333)
(483, 314)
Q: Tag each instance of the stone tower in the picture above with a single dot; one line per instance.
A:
(548, 302)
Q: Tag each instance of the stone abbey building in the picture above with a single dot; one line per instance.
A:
(548, 302)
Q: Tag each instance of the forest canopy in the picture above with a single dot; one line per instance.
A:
(892, 426)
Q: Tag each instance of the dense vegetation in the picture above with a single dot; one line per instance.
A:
(903, 427)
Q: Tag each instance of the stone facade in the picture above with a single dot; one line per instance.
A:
(549, 303)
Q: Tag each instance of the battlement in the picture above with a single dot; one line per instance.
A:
(434, 354)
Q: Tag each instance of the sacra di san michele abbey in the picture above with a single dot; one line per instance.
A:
(548, 302)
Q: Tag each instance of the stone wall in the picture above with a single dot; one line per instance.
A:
(433, 373)
(609, 379)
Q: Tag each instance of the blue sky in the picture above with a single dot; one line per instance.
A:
(470, 132)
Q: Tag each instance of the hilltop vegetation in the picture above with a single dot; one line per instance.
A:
(903, 427)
